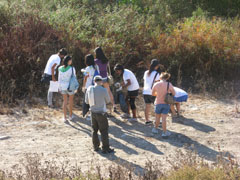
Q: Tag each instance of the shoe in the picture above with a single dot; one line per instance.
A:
(97, 149)
(148, 122)
(132, 119)
(154, 130)
(51, 106)
(65, 121)
(108, 151)
(125, 116)
(71, 117)
(166, 134)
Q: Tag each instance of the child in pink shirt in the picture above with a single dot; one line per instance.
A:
(161, 108)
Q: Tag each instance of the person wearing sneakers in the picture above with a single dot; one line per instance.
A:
(97, 97)
(64, 76)
(130, 82)
(50, 71)
(150, 77)
(160, 90)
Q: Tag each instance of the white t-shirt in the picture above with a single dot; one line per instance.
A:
(148, 82)
(64, 78)
(179, 92)
(90, 72)
(54, 59)
(127, 74)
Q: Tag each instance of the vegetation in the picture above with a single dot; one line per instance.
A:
(186, 167)
(197, 41)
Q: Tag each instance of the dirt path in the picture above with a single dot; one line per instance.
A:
(206, 124)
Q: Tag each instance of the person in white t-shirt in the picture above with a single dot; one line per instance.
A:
(64, 77)
(89, 73)
(180, 96)
(150, 77)
(50, 71)
(130, 82)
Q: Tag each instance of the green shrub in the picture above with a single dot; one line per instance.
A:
(202, 48)
(194, 49)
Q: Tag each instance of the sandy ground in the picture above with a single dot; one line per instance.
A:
(206, 124)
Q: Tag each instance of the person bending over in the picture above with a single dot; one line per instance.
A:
(130, 82)
(50, 71)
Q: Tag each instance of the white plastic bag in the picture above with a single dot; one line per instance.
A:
(54, 85)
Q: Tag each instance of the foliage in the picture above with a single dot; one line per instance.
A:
(191, 43)
(23, 54)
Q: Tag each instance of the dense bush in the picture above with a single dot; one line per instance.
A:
(24, 50)
(194, 49)
(201, 49)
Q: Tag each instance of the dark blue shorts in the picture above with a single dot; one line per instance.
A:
(162, 108)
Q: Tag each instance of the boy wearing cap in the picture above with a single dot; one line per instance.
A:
(97, 97)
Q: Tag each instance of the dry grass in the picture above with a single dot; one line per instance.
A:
(186, 166)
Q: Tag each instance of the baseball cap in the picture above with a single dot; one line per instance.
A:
(98, 78)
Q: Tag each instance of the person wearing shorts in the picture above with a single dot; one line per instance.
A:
(130, 82)
(150, 77)
(64, 76)
(104, 68)
(161, 108)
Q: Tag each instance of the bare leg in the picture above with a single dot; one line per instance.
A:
(70, 104)
(157, 122)
(65, 98)
(164, 122)
(147, 109)
(173, 109)
(178, 107)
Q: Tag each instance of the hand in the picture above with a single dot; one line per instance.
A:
(54, 79)
(122, 84)
(83, 89)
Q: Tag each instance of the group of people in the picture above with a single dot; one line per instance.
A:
(97, 92)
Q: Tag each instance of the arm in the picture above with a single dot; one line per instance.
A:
(154, 92)
(127, 84)
(52, 70)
